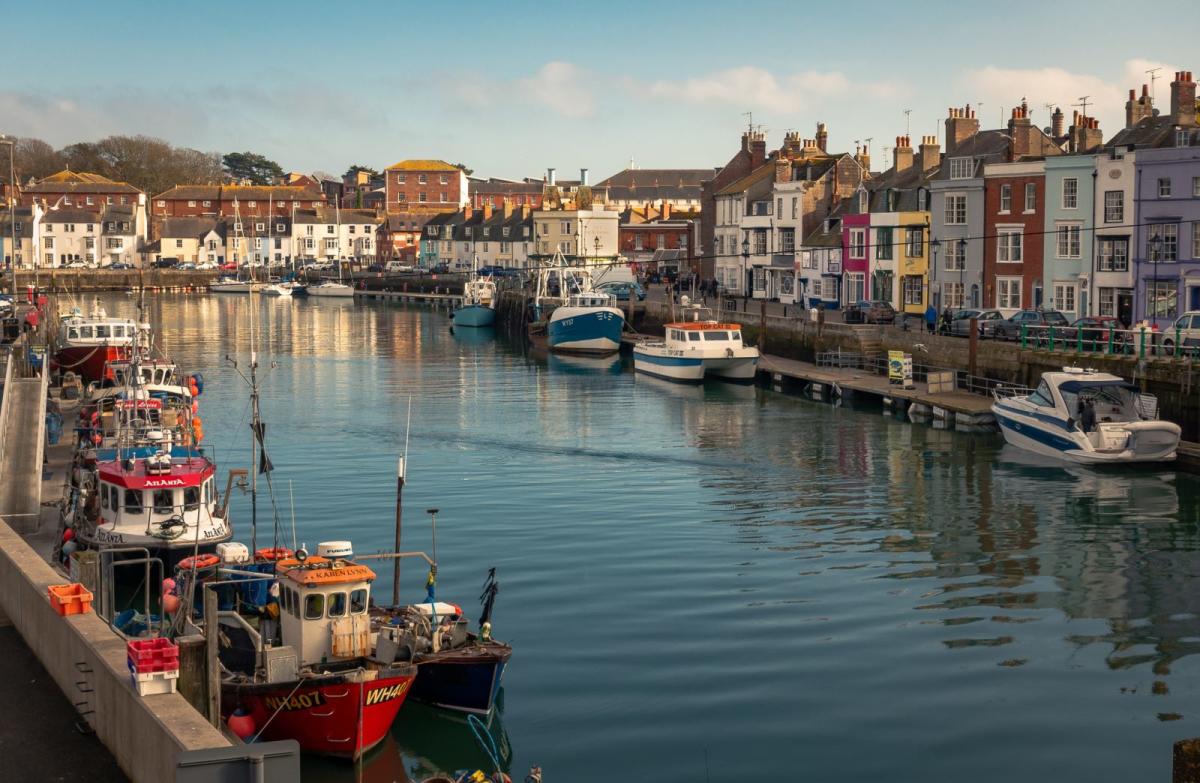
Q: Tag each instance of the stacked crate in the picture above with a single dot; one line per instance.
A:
(153, 665)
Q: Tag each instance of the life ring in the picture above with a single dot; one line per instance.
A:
(198, 562)
(272, 553)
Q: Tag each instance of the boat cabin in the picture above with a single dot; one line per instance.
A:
(1113, 398)
(703, 334)
(159, 497)
(323, 607)
(589, 299)
(147, 374)
(78, 331)
(481, 292)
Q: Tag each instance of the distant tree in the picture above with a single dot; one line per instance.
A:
(464, 168)
(257, 169)
(34, 158)
(350, 172)
(85, 156)
(583, 197)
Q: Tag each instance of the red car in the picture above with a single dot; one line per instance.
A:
(230, 267)
(1095, 331)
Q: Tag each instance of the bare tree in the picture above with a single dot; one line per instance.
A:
(36, 159)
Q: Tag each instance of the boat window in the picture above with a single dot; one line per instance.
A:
(104, 501)
(191, 498)
(208, 492)
(73, 333)
(133, 501)
(337, 604)
(358, 601)
(735, 335)
(293, 603)
(118, 331)
(102, 331)
(314, 606)
(85, 332)
(1042, 396)
(694, 336)
(164, 501)
(719, 336)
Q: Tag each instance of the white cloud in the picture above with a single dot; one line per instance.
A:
(757, 88)
(561, 87)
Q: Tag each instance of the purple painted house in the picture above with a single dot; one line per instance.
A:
(1167, 234)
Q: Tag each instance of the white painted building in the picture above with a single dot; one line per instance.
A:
(1111, 287)
(330, 234)
(579, 233)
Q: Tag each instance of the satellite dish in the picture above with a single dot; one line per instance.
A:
(1047, 130)
(1154, 112)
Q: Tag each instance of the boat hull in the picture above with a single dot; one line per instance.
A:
(234, 288)
(323, 715)
(474, 315)
(1148, 441)
(466, 680)
(691, 369)
(331, 291)
(595, 330)
(90, 361)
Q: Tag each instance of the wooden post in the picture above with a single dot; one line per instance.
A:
(399, 518)
(762, 324)
(1185, 762)
(211, 663)
(973, 350)
(193, 673)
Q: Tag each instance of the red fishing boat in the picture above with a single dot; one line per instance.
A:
(322, 685)
(86, 344)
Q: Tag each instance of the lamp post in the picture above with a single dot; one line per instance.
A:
(745, 261)
(11, 141)
(596, 242)
(1155, 244)
(935, 245)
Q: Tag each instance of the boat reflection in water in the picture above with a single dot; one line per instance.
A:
(703, 392)
(474, 336)
(580, 364)
(436, 741)
(382, 764)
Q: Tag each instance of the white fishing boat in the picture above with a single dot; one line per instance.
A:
(1087, 417)
(479, 300)
(583, 320)
(330, 288)
(696, 348)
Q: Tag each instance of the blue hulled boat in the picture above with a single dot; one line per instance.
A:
(474, 315)
(479, 301)
(586, 323)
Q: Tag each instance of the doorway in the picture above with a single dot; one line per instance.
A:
(1125, 307)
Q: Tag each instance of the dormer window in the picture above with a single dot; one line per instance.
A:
(962, 168)
(1183, 137)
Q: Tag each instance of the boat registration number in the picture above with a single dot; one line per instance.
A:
(380, 695)
(299, 701)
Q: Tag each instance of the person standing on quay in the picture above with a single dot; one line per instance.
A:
(931, 315)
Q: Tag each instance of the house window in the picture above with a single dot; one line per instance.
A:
(1162, 298)
(1168, 234)
(191, 203)
(1164, 187)
(855, 290)
(401, 197)
(260, 226)
(796, 202)
(329, 229)
(1107, 301)
(279, 228)
(208, 203)
(1006, 198)
(913, 241)
(422, 179)
(779, 206)
(760, 242)
(858, 244)
(1070, 193)
(1068, 242)
(399, 179)
(90, 201)
(883, 243)
(1196, 187)
(1114, 206)
(956, 210)
(178, 243)
(1113, 254)
(443, 179)
(1064, 297)
(351, 228)
(1183, 137)
(661, 241)
(962, 168)
(1008, 246)
(1008, 293)
(252, 203)
(1030, 197)
(956, 255)
(162, 203)
(913, 290)
(953, 294)
(787, 240)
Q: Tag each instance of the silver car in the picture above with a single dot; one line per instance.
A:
(961, 325)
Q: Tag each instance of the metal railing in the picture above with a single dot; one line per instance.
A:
(1102, 341)
(878, 365)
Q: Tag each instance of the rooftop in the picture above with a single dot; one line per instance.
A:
(422, 165)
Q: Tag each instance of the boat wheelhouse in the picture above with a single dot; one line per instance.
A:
(479, 303)
(323, 686)
(166, 503)
(88, 344)
(692, 350)
(1086, 416)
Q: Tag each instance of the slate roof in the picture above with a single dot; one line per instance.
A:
(892, 192)
(68, 216)
(655, 184)
(242, 193)
(819, 237)
(500, 187)
(24, 220)
(187, 227)
(989, 146)
(748, 181)
(1156, 131)
(325, 215)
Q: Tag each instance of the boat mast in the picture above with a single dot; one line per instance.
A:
(255, 428)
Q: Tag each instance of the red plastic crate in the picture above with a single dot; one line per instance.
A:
(152, 655)
(70, 599)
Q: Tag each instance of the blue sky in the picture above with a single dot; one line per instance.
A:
(512, 87)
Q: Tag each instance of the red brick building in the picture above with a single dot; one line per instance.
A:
(431, 186)
(80, 190)
(496, 192)
(1014, 212)
(218, 200)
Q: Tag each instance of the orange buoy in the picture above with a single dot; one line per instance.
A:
(272, 553)
(199, 561)
(241, 723)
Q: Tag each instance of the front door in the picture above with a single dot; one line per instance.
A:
(1193, 297)
(1125, 308)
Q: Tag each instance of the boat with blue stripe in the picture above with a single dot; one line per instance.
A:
(581, 319)
(1087, 417)
(695, 348)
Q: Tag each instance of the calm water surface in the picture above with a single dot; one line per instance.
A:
(722, 583)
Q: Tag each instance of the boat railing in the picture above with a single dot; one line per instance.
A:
(1008, 391)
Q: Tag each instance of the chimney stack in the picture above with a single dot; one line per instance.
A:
(757, 147)
(1085, 135)
(961, 124)
(666, 210)
(1056, 123)
(791, 143)
(583, 178)
(487, 210)
(1183, 99)
(508, 208)
(931, 153)
(822, 136)
(1021, 129)
(1138, 109)
(783, 169)
(468, 211)
(903, 154)
(550, 177)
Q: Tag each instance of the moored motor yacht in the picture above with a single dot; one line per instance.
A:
(696, 348)
(1122, 425)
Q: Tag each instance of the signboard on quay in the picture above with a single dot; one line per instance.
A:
(900, 369)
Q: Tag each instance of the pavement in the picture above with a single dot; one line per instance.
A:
(38, 735)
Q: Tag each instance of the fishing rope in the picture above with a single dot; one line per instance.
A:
(485, 741)
(278, 709)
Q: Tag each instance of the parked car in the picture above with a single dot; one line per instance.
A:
(187, 267)
(1035, 321)
(869, 312)
(1095, 331)
(230, 266)
(75, 265)
(960, 325)
(375, 268)
(1186, 329)
(621, 290)
(399, 268)
(206, 265)
(120, 265)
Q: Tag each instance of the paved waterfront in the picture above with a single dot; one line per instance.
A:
(721, 581)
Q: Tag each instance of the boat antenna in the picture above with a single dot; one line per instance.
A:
(292, 500)
(401, 469)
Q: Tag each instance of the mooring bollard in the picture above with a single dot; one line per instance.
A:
(1185, 761)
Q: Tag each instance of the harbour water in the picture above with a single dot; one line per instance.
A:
(719, 583)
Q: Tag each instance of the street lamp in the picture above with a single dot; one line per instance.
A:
(596, 242)
(745, 261)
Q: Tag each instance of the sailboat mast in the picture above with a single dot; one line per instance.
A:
(255, 426)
